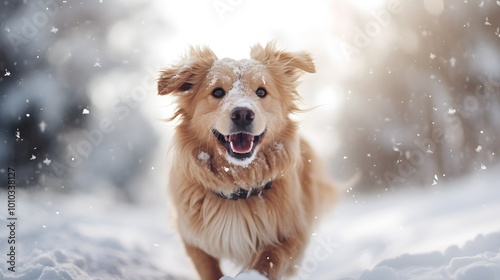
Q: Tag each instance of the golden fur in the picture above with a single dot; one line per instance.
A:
(269, 232)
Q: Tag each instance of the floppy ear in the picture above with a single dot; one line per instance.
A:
(188, 73)
(291, 63)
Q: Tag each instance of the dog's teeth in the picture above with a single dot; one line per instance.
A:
(226, 138)
(236, 151)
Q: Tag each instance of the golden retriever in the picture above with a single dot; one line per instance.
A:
(245, 185)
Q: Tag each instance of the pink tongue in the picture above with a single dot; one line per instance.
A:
(241, 143)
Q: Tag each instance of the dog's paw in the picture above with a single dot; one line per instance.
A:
(246, 275)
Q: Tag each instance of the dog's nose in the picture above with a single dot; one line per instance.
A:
(242, 116)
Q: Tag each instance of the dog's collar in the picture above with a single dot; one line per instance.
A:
(244, 193)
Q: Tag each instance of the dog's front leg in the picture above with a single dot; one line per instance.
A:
(276, 262)
(206, 265)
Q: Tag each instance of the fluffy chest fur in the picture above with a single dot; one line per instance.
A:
(238, 229)
(233, 229)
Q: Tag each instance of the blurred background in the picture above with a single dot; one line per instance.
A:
(406, 93)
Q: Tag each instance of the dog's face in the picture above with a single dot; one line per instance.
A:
(235, 105)
(241, 108)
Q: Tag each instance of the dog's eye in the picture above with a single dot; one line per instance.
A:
(218, 93)
(261, 92)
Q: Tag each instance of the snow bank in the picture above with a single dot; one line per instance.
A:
(477, 259)
(247, 275)
(91, 237)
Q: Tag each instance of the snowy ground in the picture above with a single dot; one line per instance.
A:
(444, 232)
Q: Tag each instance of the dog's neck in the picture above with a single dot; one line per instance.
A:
(245, 193)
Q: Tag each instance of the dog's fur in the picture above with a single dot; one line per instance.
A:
(268, 232)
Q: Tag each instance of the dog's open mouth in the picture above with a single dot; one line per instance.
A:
(239, 145)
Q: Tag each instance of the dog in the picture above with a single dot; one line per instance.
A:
(245, 185)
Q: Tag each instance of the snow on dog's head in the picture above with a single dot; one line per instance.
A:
(234, 108)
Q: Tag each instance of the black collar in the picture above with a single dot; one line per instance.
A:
(244, 193)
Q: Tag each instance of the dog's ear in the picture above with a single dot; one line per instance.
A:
(291, 63)
(188, 73)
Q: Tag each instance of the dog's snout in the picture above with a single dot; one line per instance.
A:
(242, 116)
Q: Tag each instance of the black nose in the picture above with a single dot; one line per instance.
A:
(242, 116)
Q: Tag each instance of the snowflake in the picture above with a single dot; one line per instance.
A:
(85, 112)
(453, 61)
(278, 146)
(42, 126)
(203, 156)
(47, 161)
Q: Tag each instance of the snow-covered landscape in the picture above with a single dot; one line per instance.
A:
(444, 232)
(406, 95)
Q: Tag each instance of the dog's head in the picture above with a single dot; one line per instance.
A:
(235, 105)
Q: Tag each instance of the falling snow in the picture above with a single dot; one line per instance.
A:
(42, 126)
(453, 61)
(130, 245)
(435, 180)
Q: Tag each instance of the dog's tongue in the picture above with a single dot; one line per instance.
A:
(241, 143)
